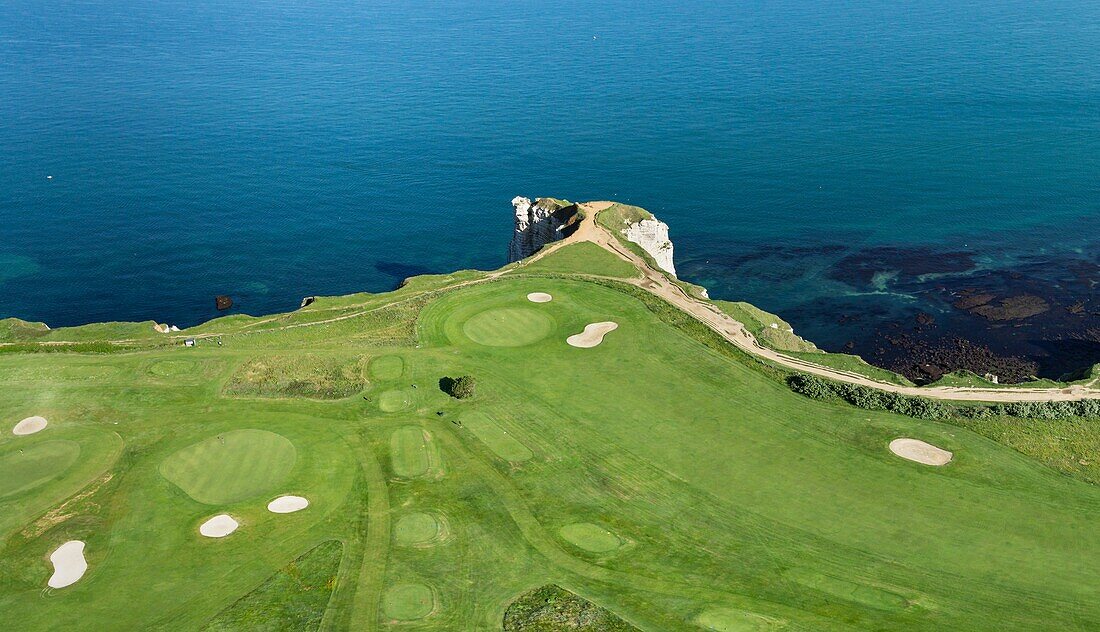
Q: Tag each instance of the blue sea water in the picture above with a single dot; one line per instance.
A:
(274, 149)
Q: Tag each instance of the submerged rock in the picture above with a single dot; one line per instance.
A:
(223, 302)
(1013, 308)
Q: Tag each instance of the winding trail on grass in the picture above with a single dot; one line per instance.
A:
(658, 284)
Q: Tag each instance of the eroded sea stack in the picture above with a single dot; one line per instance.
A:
(539, 223)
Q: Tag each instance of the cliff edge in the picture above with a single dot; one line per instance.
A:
(641, 228)
(538, 223)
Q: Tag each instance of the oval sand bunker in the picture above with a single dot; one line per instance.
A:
(287, 504)
(539, 297)
(919, 451)
(29, 426)
(219, 526)
(68, 564)
(592, 335)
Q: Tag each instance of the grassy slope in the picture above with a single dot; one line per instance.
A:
(968, 379)
(617, 217)
(735, 499)
(759, 323)
(582, 258)
(294, 598)
(780, 338)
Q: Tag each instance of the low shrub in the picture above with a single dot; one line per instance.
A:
(461, 387)
(925, 408)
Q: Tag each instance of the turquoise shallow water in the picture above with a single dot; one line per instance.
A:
(281, 149)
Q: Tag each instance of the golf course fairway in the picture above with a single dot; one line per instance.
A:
(659, 478)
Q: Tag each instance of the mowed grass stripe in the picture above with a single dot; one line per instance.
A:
(232, 466)
(496, 438)
(408, 452)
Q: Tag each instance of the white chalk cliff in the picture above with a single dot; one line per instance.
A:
(652, 235)
(537, 224)
(547, 220)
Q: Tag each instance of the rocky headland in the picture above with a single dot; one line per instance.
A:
(538, 223)
(547, 220)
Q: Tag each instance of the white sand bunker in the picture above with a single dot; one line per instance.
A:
(287, 504)
(592, 335)
(30, 425)
(919, 451)
(219, 526)
(68, 564)
(539, 297)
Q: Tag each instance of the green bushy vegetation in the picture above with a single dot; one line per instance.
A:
(925, 408)
(555, 609)
(299, 375)
(869, 398)
(461, 387)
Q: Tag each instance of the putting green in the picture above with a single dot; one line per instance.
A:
(417, 529)
(395, 400)
(408, 452)
(232, 466)
(590, 537)
(734, 620)
(508, 326)
(408, 602)
(24, 469)
(389, 367)
(496, 438)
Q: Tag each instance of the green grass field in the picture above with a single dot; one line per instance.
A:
(654, 482)
(582, 258)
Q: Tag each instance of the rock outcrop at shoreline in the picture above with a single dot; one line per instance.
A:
(652, 236)
(538, 223)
